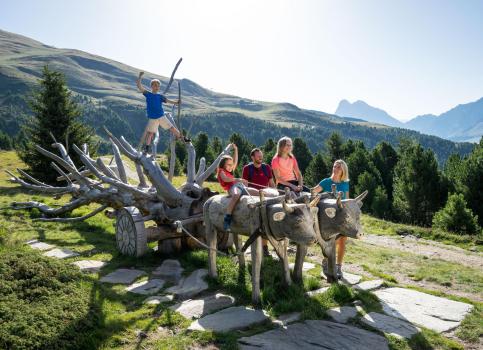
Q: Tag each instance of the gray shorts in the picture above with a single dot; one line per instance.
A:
(238, 188)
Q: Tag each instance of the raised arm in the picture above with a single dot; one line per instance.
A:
(140, 86)
(172, 102)
(235, 156)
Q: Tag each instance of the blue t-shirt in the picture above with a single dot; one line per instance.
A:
(154, 104)
(343, 186)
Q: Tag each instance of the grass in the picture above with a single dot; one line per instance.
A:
(124, 322)
(382, 227)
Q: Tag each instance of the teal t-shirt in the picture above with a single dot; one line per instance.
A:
(326, 185)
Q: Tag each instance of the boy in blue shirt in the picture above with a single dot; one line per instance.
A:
(155, 112)
(340, 178)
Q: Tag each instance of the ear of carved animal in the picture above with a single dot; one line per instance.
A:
(363, 195)
(286, 208)
(339, 199)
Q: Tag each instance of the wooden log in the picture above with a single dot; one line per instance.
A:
(299, 262)
(256, 266)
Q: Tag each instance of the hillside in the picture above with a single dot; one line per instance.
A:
(106, 90)
(462, 123)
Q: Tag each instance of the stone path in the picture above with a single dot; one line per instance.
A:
(342, 314)
(438, 314)
(369, 285)
(90, 265)
(390, 325)
(233, 318)
(197, 308)
(35, 244)
(146, 287)
(158, 299)
(315, 334)
(306, 267)
(122, 276)
(61, 253)
(170, 271)
(190, 286)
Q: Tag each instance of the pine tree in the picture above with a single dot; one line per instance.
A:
(302, 153)
(417, 184)
(384, 157)
(317, 170)
(334, 146)
(456, 217)
(56, 113)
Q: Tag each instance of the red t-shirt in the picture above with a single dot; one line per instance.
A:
(259, 180)
(226, 185)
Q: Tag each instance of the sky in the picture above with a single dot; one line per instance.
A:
(407, 57)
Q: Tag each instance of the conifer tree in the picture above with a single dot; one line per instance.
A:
(456, 217)
(302, 153)
(317, 170)
(54, 112)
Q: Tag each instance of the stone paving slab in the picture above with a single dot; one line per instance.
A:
(369, 285)
(146, 287)
(233, 318)
(350, 279)
(122, 276)
(190, 286)
(317, 291)
(438, 314)
(390, 325)
(61, 253)
(342, 314)
(315, 334)
(170, 271)
(197, 308)
(285, 319)
(158, 299)
(90, 265)
(35, 244)
(306, 267)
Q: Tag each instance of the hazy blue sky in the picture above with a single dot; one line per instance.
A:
(407, 57)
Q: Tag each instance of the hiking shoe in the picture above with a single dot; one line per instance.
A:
(325, 267)
(186, 139)
(227, 222)
(145, 149)
(339, 273)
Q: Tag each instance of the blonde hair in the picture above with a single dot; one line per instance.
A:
(345, 170)
(281, 144)
(155, 81)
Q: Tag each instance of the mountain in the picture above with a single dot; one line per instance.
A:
(362, 110)
(462, 123)
(106, 91)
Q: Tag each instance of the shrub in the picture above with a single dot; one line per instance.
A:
(456, 217)
(43, 304)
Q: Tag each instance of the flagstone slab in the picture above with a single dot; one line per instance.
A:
(316, 292)
(35, 244)
(170, 271)
(369, 285)
(350, 279)
(196, 308)
(190, 286)
(146, 287)
(315, 334)
(233, 318)
(306, 267)
(90, 265)
(285, 319)
(342, 314)
(436, 313)
(158, 299)
(61, 253)
(122, 276)
(390, 325)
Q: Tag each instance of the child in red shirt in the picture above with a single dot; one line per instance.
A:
(234, 186)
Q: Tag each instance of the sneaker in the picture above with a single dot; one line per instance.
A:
(339, 273)
(145, 149)
(227, 222)
(325, 266)
(186, 139)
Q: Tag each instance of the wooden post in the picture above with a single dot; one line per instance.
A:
(256, 266)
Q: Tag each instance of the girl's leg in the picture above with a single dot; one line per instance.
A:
(233, 202)
(149, 137)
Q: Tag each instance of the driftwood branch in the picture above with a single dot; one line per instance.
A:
(39, 188)
(172, 157)
(45, 209)
(32, 179)
(75, 219)
(190, 176)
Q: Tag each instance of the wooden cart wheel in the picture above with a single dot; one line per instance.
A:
(131, 235)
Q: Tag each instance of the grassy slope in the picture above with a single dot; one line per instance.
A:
(122, 315)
